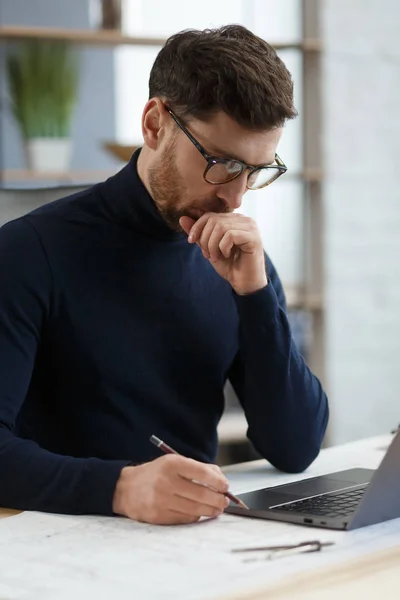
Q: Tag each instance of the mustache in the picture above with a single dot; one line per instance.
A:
(216, 205)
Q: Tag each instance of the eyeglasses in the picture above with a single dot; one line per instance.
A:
(222, 170)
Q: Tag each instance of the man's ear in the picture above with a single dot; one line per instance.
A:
(153, 121)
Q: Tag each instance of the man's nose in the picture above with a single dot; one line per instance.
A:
(232, 192)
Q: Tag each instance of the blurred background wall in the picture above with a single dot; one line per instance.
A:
(95, 115)
(331, 225)
(361, 194)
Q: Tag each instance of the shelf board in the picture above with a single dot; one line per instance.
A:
(115, 38)
(77, 36)
(297, 299)
(75, 176)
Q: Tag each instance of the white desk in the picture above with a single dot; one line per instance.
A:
(56, 557)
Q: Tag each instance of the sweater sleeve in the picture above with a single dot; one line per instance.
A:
(32, 478)
(284, 403)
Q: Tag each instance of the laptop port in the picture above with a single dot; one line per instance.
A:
(307, 520)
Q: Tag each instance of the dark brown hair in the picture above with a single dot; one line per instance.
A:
(201, 72)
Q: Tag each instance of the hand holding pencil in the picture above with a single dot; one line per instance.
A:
(168, 450)
(166, 491)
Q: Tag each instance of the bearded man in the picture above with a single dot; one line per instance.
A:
(124, 309)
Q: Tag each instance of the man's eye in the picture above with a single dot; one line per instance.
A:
(232, 166)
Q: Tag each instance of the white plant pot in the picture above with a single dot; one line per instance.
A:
(48, 155)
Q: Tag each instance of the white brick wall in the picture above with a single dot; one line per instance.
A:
(361, 67)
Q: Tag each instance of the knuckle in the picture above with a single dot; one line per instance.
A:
(216, 510)
(204, 471)
(223, 503)
(216, 468)
(221, 484)
(224, 484)
(254, 227)
(171, 460)
(220, 503)
(245, 220)
(195, 464)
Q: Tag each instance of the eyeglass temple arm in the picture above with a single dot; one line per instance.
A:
(189, 135)
(280, 162)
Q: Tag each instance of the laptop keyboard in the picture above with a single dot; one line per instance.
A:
(328, 505)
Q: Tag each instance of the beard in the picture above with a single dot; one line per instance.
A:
(171, 195)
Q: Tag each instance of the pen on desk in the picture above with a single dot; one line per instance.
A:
(168, 450)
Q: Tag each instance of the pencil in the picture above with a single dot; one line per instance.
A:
(168, 450)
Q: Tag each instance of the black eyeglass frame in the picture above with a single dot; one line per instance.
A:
(280, 167)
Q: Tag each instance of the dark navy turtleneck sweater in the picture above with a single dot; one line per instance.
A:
(113, 328)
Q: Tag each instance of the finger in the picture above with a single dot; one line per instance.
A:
(200, 493)
(192, 508)
(203, 240)
(214, 240)
(201, 472)
(229, 220)
(170, 517)
(177, 518)
(246, 241)
(186, 223)
(216, 468)
(226, 244)
(196, 230)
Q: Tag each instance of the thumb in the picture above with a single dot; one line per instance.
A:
(186, 223)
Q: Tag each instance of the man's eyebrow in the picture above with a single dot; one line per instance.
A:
(223, 154)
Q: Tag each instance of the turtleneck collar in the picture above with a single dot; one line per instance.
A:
(126, 200)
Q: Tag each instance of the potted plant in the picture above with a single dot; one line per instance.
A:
(43, 82)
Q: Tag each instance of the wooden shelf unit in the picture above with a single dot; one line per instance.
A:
(74, 176)
(115, 38)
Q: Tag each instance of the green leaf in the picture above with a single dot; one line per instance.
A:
(44, 81)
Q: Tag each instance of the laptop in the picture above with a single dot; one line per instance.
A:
(345, 500)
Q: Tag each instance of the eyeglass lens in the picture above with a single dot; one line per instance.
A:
(222, 172)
